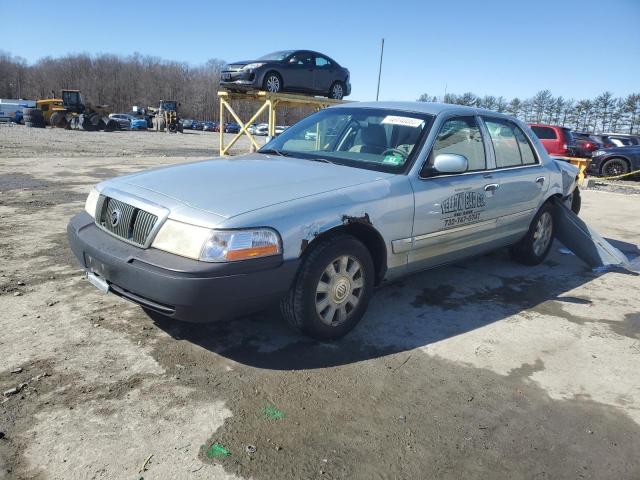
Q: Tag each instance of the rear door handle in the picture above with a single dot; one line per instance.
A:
(492, 187)
(540, 180)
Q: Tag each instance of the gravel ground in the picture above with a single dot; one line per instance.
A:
(484, 369)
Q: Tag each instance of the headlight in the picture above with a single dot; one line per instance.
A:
(208, 245)
(181, 238)
(598, 153)
(92, 202)
(234, 245)
(252, 66)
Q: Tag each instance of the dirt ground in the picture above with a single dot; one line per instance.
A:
(484, 369)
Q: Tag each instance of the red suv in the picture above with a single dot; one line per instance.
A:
(556, 140)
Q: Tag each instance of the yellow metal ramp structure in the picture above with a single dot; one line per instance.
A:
(265, 101)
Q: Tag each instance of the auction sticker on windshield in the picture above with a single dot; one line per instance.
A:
(404, 121)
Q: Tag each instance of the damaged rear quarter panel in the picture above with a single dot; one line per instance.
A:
(387, 203)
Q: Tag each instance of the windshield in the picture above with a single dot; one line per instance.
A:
(277, 55)
(378, 139)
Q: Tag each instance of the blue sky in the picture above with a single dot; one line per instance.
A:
(512, 48)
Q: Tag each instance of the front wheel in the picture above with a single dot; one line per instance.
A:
(272, 83)
(614, 167)
(332, 290)
(535, 245)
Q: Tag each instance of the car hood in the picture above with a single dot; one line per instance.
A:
(230, 187)
(247, 62)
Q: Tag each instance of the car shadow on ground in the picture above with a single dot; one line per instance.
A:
(418, 311)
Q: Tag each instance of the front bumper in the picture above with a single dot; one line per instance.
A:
(593, 168)
(175, 286)
(240, 79)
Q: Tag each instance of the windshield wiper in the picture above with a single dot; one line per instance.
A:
(320, 159)
(271, 151)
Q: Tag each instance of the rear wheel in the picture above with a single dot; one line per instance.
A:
(336, 91)
(272, 83)
(535, 245)
(614, 167)
(332, 289)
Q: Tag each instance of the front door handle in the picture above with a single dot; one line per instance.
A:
(492, 187)
(540, 181)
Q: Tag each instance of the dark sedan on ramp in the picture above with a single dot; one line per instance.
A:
(302, 71)
(611, 162)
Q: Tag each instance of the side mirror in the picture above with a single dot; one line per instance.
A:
(450, 163)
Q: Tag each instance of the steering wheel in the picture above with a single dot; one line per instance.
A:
(395, 151)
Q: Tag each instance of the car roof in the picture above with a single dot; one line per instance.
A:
(431, 108)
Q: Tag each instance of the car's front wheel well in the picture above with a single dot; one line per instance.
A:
(365, 233)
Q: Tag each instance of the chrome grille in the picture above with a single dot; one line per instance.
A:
(124, 220)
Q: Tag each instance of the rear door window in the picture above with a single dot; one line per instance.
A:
(544, 133)
(510, 145)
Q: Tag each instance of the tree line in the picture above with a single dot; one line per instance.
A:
(604, 113)
(124, 81)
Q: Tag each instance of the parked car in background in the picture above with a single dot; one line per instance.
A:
(262, 130)
(252, 128)
(231, 127)
(280, 128)
(609, 140)
(611, 162)
(129, 122)
(138, 123)
(302, 71)
(556, 140)
(186, 123)
(585, 145)
(316, 226)
(197, 125)
(123, 119)
(208, 126)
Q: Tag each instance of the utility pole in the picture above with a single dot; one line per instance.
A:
(380, 69)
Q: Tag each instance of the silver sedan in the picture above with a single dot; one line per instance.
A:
(346, 199)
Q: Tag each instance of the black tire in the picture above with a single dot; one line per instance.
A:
(272, 82)
(84, 123)
(56, 119)
(576, 201)
(111, 125)
(34, 124)
(299, 306)
(336, 91)
(34, 112)
(528, 251)
(614, 167)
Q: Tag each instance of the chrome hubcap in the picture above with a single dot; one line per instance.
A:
(273, 83)
(542, 235)
(337, 91)
(339, 290)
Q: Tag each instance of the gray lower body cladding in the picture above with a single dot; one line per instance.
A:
(175, 286)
